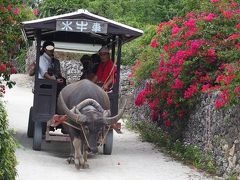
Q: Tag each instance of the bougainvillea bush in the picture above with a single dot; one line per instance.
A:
(197, 53)
(11, 14)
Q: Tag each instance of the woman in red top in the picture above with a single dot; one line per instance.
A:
(106, 69)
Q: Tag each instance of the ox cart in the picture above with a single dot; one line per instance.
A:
(76, 29)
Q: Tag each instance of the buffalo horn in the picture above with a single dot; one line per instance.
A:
(114, 119)
(77, 117)
(90, 102)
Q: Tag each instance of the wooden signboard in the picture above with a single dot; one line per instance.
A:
(81, 25)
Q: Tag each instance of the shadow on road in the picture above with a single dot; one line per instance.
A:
(54, 148)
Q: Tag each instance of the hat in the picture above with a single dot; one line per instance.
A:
(49, 47)
(104, 49)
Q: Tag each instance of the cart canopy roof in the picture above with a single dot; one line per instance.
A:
(79, 27)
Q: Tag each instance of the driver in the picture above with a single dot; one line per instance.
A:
(49, 67)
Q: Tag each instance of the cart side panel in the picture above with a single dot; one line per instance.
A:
(44, 105)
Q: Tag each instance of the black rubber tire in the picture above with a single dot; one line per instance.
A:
(37, 138)
(30, 129)
(107, 147)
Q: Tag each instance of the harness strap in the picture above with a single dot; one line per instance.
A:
(85, 137)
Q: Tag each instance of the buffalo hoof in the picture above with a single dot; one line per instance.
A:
(85, 166)
(77, 166)
(70, 160)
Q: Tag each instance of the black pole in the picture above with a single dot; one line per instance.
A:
(119, 46)
(38, 46)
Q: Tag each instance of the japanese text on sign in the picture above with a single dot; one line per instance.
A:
(81, 25)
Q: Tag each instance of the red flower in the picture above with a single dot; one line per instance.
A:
(13, 70)
(214, 1)
(9, 7)
(205, 87)
(154, 43)
(164, 115)
(190, 91)
(16, 11)
(167, 123)
(140, 98)
(211, 52)
(154, 115)
(209, 17)
(3, 67)
(178, 84)
(233, 36)
(35, 12)
(237, 90)
(191, 23)
(227, 14)
(238, 26)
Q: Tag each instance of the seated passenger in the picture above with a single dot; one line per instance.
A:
(106, 70)
(87, 66)
(95, 60)
(49, 67)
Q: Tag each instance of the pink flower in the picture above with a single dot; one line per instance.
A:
(190, 91)
(169, 100)
(238, 26)
(214, 1)
(222, 99)
(227, 14)
(164, 115)
(16, 11)
(233, 36)
(191, 23)
(175, 29)
(205, 87)
(234, 4)
(237, 89)
(35, 12)
(178, 84)
(154, 43)
(209, 17)
(154, 104)
(219, 103)
(211, 52)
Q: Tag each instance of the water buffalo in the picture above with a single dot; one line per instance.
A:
(85, 103)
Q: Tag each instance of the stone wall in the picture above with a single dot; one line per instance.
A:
(216, 131)
(211, 130)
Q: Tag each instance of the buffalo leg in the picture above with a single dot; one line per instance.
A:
(78, 155)
(84, 148)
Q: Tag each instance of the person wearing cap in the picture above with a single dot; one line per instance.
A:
(106, 69)
(49, 67)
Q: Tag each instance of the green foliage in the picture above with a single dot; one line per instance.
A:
(8, 160)
(187, 153)
(21, 60)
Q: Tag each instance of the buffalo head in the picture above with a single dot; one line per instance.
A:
(92, 117)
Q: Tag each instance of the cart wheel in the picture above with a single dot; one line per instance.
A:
(30, 129)
(37, 138)
(107, 147)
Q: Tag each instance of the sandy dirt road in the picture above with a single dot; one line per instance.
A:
(131, 158)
